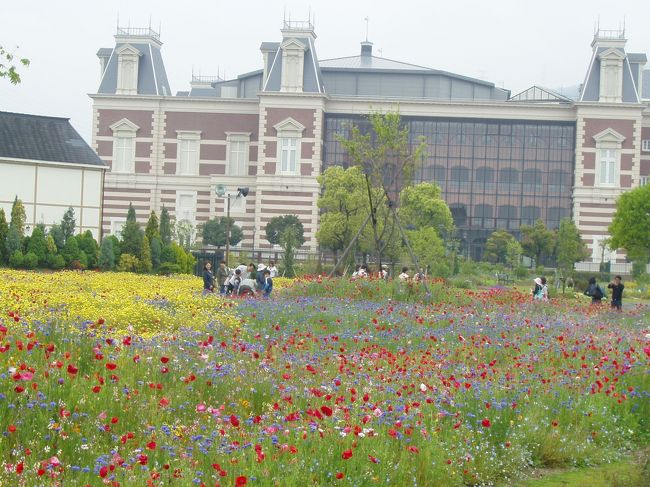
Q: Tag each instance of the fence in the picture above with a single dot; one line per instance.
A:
(614, 268)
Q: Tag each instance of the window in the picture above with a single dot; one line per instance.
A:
(288, 155)
(645, 145)
(643, 180)
(187, 158)
(238, 148)
(608, 163)
(185, 206)
(124, 133)
(532, 179)
(116, 226)
(530, 214)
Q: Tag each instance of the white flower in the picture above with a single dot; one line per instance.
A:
(423, 387)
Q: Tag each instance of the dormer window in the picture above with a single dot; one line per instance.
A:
(124, 133)
(608, 147)
(128, 59)
(289, 142)
(293, 61)
(611, 75)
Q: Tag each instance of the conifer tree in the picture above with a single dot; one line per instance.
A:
(165, 228)
(145, 256)
(68, 224)
(131, 234)
(4, 231)
(151, 230)
(18, 217)
(107, 255)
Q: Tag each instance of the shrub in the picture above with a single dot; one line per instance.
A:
(30, 261)
(56, 261)
(521, 272)
(16, 259)
(128, 263)
(167, 268)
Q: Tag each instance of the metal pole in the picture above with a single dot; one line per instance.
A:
(228, 231)
(347, 249)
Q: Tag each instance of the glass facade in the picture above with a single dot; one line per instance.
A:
(494, 174)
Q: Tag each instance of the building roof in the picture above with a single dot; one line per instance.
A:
(312, 78)
(369, 62)
(52, 139)
(646, 85)
(537, 94)
(591, 86)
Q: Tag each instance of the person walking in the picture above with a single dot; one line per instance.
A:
(221, 276)
(594, 291)
(208, 278)
(617, 293)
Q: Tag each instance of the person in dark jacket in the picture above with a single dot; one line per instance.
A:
(617, 293)
(268, 283)
(259, 277)
(594, 291)
(208, 278)
(221, 275)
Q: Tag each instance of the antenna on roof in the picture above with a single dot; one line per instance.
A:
(118, 22)
(159, 27)
(623, 25)
(150, 22)
(367, 19)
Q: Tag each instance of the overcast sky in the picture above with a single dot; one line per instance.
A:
(512, 43)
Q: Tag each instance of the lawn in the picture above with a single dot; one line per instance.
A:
(122, 379)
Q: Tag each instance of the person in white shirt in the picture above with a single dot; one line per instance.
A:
(404, 276)
(273, 270)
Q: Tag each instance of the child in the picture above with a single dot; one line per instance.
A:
(617, 293)
(537, 290)
(268, 283)
(544, 290)
(235, 282)
(594, 291)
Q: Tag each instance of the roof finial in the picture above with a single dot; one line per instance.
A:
(367, 19)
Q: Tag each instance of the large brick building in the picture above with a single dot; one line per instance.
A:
(501, 160)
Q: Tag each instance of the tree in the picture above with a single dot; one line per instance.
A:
(570, 247)
(145, 257)
(131, 234)
(106, 255)
(18, 217)
(386, 158)
(513, 253)
(71, 251)
(422, 206)
(184, 233)
(630, 227)
(537, 241)
(117, 247)
(151, 230)
(88, 245)
(165, 228)
(156, 252)
(496, 247)
(68, 223)
(38, 246)
(128, 263)
(428, 248)
(4, 231)
(9, 65)
(13, 241)
(56, 232)
(287, 232)
(214, 232)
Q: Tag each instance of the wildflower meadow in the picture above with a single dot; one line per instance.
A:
(123, 379)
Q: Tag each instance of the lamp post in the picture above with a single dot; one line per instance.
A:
(222, 193)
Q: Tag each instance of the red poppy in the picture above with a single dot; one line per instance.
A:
(72, 369)
(151, 445)
(241, 481)
(340, 475)
(234, 421)
(164, 360)
(486, 423)
(347, 454)
(103, 472)
(111, 366)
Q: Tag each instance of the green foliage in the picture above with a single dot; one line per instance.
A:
(168, 255)
(56, 232)
(13, 241)
(18, 217)
(521, 272)
(9, 65)
(117, 247)
(422, 206)
(128, 263)
(16, 259)
(38, 246)
(131, 234)
(88, 245)
(429, 250)
(165, 228)
(630, 227)
(496, 247)
(55, 261)
(570, 247)
(151, 229)
(107, 255)
(167, 268)
(185, 233)
(4, 231)
(513, 253)
(145, 264)
(156, 252)
(537, 241)
(184, 260)
(215, 230)
(30, 261)
(68, 224)
(277, 226)
(50, 245)
(71, 250)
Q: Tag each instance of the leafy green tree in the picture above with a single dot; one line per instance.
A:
(537, 241)
(184, 233)
(145, 257)
(13, 242)
(214, 232)
(427, 247)
(570, 247)
(68, 223)
(422, 206)
(168, 256)
(107, 255)
(184, 260)
(9, 65)
(38, 246)
(51, 245)
(165, 228)
(117, 247)
(131, 234)
(287, 232)
(156, 252)
(513, 253)
(88, 245)
(56, 232)
(30, 261)
(151, 229)
(71, 251)
(630, 227)
(56, 261)
(18, 217)
(16, 259)
(496, 247)
(4, 231)
(128, 263)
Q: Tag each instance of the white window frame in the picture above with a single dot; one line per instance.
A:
(117, 224)
(180, 215)
(608, 158)
(645, 145)
(124, 134)
(643, 180)
(289, 141)
(188, 147)
(238, 153)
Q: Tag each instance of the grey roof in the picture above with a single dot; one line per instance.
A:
(105, 52)
(152, 78)
(537, 94)
(368, 62)
(591, 87)
(312, 78)
(646, 85)
(40, 138)
(269, 46)
(637, 57)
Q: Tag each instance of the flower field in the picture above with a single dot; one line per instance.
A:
(121, 379)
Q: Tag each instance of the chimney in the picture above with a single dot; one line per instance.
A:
(366, 49)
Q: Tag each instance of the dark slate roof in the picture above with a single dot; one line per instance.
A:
(591, 88)
(312, 78)
(646, 84)
(51, 139)
(637, 57)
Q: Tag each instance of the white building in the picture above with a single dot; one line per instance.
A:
(46, 164)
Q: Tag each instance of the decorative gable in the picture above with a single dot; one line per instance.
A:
(124, 125)
(612, 53)
(609, 137)
(289, 128)
(128, 60)
(127, 49)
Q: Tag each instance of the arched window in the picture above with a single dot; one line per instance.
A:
(530, 214)
(459, 214)
(483, 216)
(532, 179)
(459, 177)
(507, 217)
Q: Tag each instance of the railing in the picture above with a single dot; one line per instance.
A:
(138, 31)
(206, 79)
(298, 25)
(610, 34)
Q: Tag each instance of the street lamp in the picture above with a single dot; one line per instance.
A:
(221, 192)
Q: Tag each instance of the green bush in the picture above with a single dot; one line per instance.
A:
(128, 263)
(167, 268)
(30, 261)
(16, 259)
(521, 272)
(56, 261)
